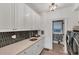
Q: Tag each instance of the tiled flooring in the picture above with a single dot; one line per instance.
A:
(58, 50)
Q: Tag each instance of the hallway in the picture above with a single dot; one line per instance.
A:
(58, 50)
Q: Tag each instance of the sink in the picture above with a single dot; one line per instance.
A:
(33, 39)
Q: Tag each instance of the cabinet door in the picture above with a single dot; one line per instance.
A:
(38, 47)
(12, 16)
(34, 49)
(5, 16)
(19, 16)
(37, 22)
(28, 51)
(28, 18)
(33, 20)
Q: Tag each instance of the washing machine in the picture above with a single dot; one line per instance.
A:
(72, 42)
(75, 44)
(69, 41)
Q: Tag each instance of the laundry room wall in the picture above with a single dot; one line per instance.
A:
(67, 14)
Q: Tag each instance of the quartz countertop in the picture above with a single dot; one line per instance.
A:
(16, 48)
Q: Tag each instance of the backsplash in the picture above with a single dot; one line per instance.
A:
(7, 38)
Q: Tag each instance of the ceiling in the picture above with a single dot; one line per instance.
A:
(44, 7)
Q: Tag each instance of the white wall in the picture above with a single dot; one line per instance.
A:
(67, 14)
(46, 26)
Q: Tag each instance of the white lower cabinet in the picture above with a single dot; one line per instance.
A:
(34, 49)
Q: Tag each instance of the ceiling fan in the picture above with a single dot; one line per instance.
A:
(52, 7)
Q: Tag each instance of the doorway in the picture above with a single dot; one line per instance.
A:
(57, 34)
(58, 31)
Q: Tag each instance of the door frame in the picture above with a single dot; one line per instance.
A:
(62, 31)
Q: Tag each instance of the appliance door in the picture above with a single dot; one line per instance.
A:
(67, 41)
(69, 44)
(75, 47)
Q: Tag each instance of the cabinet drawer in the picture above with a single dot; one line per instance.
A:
(28, 51)
(25, 53)
(38, 47)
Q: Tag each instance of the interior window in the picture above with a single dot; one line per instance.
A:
(58, 26)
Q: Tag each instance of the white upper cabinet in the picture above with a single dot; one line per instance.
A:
(28, 18)
(11, 16)
(36, 21)
(19, 16)
(31, 19)
(5, 16)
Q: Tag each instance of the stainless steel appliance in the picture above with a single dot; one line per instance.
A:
(76, 40)
(72, 41)
(69, 41)
(75, 43)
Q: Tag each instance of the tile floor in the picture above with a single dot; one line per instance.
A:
(58, 50)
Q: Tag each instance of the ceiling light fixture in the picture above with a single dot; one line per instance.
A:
(52, 7)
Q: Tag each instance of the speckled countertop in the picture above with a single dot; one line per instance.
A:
(15, 48)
